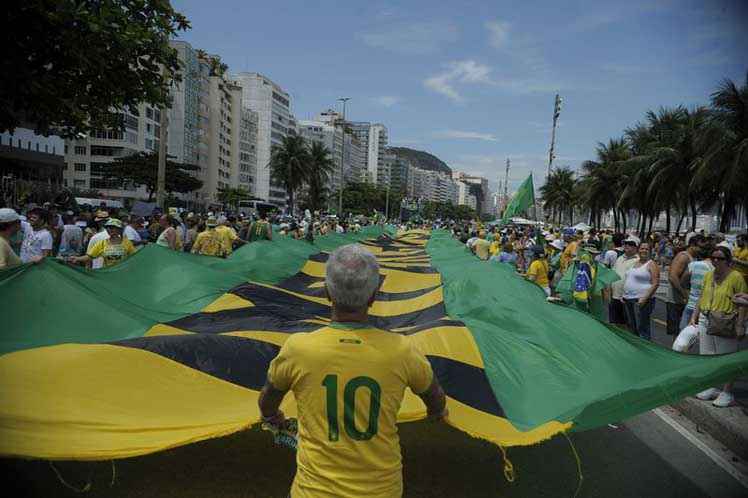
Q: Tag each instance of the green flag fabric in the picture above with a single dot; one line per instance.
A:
(522, 200)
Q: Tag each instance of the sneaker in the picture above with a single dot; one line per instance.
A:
(709, 394)
(724, 400)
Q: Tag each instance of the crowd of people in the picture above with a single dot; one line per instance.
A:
(99, 238)
(706, 298)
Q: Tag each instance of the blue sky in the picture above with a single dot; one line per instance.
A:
(473, 82)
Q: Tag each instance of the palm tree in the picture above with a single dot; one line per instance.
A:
(289, 165)
(724, 139)
(231, 196)
(321, 167)
(601, 182)
(558, 193)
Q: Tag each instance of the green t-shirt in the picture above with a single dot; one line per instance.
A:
(259, 230)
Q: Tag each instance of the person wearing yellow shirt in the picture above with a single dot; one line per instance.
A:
(228, 235)
(10, 224)
(209, 242)
(481, 246)
(740, 255)
(113, 250)
(568, 254)
(720, 286)
(539, 269)
(349, 379)
(495, 245)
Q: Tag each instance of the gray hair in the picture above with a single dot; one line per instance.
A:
(351, 277)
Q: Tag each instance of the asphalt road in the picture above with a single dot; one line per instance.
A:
(643, 457)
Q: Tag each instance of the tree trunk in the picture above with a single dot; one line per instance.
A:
(693, 214)
(150, 195)
(651, 220)
(667, 221)
(724, 222)
(624, 219)
(290, 201)
(680, 222)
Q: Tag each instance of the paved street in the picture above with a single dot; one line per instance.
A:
(641, 458)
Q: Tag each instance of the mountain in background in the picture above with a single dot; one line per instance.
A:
(421, 159)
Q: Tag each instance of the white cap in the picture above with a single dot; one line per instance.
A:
(724, 243)
(8, 215)
(632, 238)
(558, 244)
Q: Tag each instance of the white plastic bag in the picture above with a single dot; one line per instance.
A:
(687, 338)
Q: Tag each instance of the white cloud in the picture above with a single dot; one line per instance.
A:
(465, 71)
(412, 39)
(465, 135)
(387, 100)
(498, 33)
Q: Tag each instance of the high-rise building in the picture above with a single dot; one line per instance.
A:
(28, 157)
(86, 158)
(273, 107)
(224, 104)
(434, 186)
(332, 137)
(373, 137)
(464, 197)
(398, 172)
(479, 188)
(248, 149)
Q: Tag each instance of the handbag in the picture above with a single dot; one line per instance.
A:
(722, 324)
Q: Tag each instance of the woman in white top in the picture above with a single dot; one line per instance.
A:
(639, 287)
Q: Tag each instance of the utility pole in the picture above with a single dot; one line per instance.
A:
(342, 159)
(387, 204)
(161, 176)
(556, 112)
(506, 183)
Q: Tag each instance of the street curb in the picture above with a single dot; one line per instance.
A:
(729, 426)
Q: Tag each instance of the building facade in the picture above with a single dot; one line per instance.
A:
(479, 188)
(28, 160)
(248, 149)
(87, 158)
(373, 138)
(274, 122)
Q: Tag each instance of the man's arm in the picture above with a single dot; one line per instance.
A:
(435, 401)
(269, 403)
(676, 271)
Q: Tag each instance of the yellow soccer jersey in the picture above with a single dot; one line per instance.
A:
(228, 236)
(349, 381)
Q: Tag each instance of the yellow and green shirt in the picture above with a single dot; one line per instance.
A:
(719, 297)
(349, 380)
(112, 253)
(209, 243)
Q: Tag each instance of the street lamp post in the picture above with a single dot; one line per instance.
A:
(342, 159)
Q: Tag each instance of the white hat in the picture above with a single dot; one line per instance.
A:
(632, 238)
(558, 244)
(725, 244)
(8, 215)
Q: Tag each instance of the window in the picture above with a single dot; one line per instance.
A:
(79, 183)
(80, 150)
(65, 166)
(81, 167)
(148, 127)
(156, 115)
(66, 148)
(149, 113)
(131, 122)
(103, 151)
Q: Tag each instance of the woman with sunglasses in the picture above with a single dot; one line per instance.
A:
(720, 286)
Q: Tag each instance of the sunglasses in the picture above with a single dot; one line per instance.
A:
(717, 258)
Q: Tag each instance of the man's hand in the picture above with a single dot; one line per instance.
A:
(741, 299)
(642, 301)
(435, 401)
(277, 419)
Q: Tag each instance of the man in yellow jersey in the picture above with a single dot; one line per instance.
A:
(740, 255)
(209, 242)
(228, 235)
(349, 380)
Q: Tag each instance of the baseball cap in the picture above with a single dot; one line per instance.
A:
(101, 215)
(8, 215)
(114, 222)
(631, 239)
(211, 222)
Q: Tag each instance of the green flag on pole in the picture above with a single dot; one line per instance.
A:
(521, 201)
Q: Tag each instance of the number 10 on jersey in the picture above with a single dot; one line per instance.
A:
(330, 383)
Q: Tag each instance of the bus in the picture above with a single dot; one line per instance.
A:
(256, 207)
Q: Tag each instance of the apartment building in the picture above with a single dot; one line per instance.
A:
(373, 137)
(479, 189)
(274, 122)
(332, 137)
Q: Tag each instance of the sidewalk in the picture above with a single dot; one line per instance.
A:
(729, 426)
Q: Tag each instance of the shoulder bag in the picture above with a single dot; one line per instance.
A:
(720, 323)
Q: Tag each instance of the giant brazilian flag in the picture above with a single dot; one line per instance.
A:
(169, 348)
